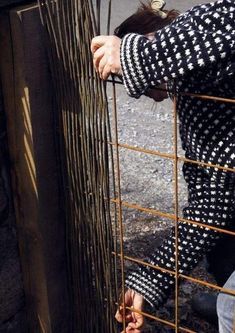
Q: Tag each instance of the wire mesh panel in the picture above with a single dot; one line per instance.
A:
(95, 222)
(175, 322)
(82, 118)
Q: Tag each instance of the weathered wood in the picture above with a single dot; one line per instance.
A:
(27, 92)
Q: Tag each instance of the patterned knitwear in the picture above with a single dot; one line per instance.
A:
(196, 54)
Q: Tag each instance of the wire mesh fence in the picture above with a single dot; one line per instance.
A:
(176, 158)
(90, 156)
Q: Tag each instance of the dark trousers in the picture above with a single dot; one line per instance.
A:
(221, 260)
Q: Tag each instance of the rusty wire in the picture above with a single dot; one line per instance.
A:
(175, 217)
(119, 201)
(184, 277)
(82, 114)
(82, 119)
(172, 217)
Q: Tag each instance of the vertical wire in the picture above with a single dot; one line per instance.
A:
(88, 159)
(115, 218)
(82, 104)
(119, 199)
(113, 172)
(109, 17)
(176, 214)
(98, 3)
(76, 152)
(101, 140)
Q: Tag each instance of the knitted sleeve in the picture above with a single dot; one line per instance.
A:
(197, 41)
(201, 38)
(193, 242)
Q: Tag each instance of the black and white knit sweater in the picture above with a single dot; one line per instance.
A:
(197, 53)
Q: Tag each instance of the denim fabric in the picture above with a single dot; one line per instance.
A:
(226, 308)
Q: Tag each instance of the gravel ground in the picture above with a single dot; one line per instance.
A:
(148, 180)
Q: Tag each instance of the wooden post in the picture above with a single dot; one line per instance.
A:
(27, 92)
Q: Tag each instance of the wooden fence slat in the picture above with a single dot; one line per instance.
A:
(27, 92)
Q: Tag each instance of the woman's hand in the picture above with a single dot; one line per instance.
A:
(106, 55)
(134, 321)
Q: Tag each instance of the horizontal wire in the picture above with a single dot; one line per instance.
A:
(139, 261)
(156, 318)
(182, 276)
(143, 150)
(208, 284)
(171, 156)
(215, 98)
(144, 209)
(201, 96)
(171, 216)
(160, 320)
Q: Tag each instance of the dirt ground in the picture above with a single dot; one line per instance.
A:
(148, 181)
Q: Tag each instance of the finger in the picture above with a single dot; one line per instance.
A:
(98, 55)
(102, 65)
(140, 321)
(115, 68)
(130, 329)
(106, 71)
(97, 42)
(119, 317)
(129, 317)
(138, 302)
(136, 325)
(128, 300)
(128, 297)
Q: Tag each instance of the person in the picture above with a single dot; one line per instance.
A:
(194, 53)
(226, 307)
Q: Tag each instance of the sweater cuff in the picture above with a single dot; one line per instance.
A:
(135, 77)
(146, 287)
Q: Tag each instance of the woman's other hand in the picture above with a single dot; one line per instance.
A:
(134, 321)
(106, 55)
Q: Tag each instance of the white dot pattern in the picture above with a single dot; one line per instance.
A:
(203, 37)
(198, 50)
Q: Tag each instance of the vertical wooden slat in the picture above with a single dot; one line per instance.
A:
(27, 92)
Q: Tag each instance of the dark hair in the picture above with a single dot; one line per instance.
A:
(144, 21)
